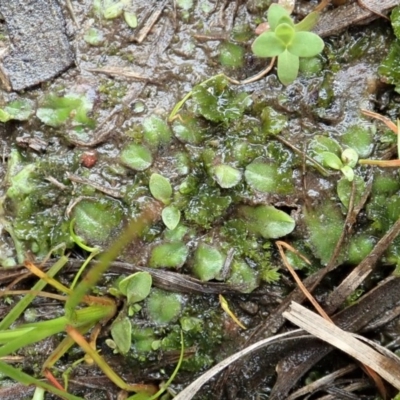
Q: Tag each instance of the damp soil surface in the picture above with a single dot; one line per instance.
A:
(137, 126)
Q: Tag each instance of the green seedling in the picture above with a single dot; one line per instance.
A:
(111, 9)
(161, 189)
(326, 151)
(288, 41)
(331, 160)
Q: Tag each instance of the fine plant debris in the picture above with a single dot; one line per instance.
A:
(184, 184)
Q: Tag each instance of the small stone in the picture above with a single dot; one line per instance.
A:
(89, 158)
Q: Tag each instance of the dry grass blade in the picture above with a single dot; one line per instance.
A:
(195, 386)
(319, 383)
(369, 8)
(122, 72)
(352, 387)
(392, 126)
(255, 77)
(387, 368)
(300, 284)
(109, 191)
(152, 19)
(314, 302)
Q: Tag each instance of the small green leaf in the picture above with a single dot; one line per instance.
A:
(285, 33)
(243, 276)
(136, 287)
(160, 188)
(143, 338)
(97, 220)
(268, 45)
(261, 176)
(227, 176)
(275, 13)
(331, 160)
(98, 7)
(389, 69)
(208, 262)
(285, 20)
(395, 19)
(156, 131)
(359, 247)
(348, 173)
(268, 177)
(171, 217)
(306, 44)
(136, 157)
(344, 190)
(56, 110)
(22, 183)
(360, 137)
(94, 37)
(288, 67)
(321, 144)
(191, 324)
(267, 221)
(272, 121)
(177, 234)
(162, 307)
(350, 157)
(169, 255)
(185, 4)
(216, 102)
(325, 224)
(231, 55)
(4, 116)
(20, 110)
(121, 332)
(188, 129)
(114, 10)
(307, 23)
(130, 19)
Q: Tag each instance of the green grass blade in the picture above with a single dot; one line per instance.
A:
(34, 336)
(25, 379)
(21, 306)
(134, 229)
(41, 330)
(83, 267)
(178, 106)
(141, 396)
(7, 335)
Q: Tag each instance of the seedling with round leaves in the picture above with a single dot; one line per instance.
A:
(288, 41)
(327, 151)
(348, 161)
(161, 189)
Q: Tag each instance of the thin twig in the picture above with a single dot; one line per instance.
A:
(255, 77)
(111, 192)
(280, 244)
(144, 31)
